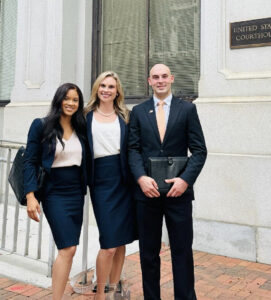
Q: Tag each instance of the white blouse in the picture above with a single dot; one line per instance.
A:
(71, 155)
(106, 138)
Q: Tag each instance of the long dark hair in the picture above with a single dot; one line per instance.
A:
(52, 128)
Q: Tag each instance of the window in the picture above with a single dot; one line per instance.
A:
(133, 35)
(8, 28)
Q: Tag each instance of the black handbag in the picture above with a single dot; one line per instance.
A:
(161, 168)
(16, 178)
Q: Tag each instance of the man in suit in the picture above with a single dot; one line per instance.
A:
(165, 126)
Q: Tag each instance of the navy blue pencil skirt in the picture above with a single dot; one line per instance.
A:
(63, 205)
(112, 204)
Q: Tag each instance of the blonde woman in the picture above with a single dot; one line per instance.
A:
(107, 118)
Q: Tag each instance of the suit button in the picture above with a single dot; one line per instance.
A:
(161, 151)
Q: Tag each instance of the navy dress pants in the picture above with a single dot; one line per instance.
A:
(178, 217)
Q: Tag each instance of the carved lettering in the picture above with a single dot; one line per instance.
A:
(266, 26)
(245, 29)
(253, 36)
(251, 33)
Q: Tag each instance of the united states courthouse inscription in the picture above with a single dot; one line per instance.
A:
(253, 33)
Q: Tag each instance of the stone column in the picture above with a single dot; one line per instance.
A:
(233, 207)
(53, 47)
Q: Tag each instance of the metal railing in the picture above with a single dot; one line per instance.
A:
(11, 207)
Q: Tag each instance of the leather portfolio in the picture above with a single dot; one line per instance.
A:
(161, 168)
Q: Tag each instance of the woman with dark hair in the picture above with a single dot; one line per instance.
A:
(57, 143)
(107, 131)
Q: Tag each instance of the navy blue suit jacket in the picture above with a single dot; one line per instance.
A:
(37, 153)
(183, 133)
(123, 148)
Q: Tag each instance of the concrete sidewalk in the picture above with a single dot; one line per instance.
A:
(217, 278)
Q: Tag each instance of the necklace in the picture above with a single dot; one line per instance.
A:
(103, 114)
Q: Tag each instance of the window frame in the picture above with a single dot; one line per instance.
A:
(97, 48)
(3, 102)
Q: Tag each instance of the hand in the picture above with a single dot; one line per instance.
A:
(33, 207)
(178, 188)
(148, 186)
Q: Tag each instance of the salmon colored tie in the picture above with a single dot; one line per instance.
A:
(161, 119)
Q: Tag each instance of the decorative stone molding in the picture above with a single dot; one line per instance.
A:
(36, 44)
(39, 50)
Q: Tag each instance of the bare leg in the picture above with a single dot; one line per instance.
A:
(61, 271)
(117, 265)
(104, 264)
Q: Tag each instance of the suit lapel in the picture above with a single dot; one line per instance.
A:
(89, 133)
(174, 112)
(122, 132)
(150, 111)
(83, 148)
(51, 154)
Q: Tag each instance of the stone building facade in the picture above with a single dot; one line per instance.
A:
(46, 43)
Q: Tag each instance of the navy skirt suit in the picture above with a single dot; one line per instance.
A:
(65, 187)
(110, 193)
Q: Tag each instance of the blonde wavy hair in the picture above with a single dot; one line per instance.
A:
(119, 105)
